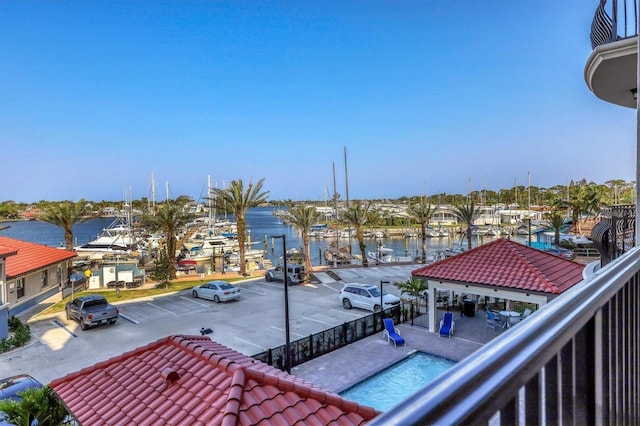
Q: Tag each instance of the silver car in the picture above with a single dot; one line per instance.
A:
(218, 291)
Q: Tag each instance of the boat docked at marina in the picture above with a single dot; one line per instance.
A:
(384, 254)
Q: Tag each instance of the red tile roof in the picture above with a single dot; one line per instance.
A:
(30, 256)
(191, 380)
(8, 251)
(509, 264)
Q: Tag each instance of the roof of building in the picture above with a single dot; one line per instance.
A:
(508, 264)
(8, 251)
(192, 380)
(30, 256)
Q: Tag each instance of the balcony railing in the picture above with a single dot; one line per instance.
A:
(614, 20)
(575, 361)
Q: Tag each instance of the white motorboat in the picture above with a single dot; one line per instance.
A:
(384, 254)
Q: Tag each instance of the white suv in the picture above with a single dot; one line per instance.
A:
(295, 273)
(366, 296)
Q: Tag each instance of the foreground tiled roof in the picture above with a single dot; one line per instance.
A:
(191, 380)
(509, 264)
(31, 257)
(8, 251)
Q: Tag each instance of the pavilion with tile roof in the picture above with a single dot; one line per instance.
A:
(502, 269)
(192, 380)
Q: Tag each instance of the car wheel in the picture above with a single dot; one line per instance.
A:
(83, 326)
(194, 294)
(376, 308)
(68, 317)
(268, 278)
(216, 299)
(346, 303)
(111, 322)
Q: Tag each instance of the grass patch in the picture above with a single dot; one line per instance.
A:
(132, 293)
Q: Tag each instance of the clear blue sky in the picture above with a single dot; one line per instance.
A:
(425, 95)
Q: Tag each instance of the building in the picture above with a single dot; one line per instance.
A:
(30, 273)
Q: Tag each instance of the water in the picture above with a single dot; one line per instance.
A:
(262, 225)
(394, 384)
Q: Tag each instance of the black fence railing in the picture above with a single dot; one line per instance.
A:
(614, 20)
(318, 344)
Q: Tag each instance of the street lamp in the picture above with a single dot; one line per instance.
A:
(381, 294)
(287, 339)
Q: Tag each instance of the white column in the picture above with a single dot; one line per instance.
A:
(432, 308)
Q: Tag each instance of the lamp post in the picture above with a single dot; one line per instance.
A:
(287, 364)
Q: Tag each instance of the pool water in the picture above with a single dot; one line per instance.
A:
(394, 384)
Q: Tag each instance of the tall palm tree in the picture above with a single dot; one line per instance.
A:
(556, 220)
(467, 214)
(237, 200)
(357, 215)
(168, 217)
(302, 217)
(422, 212)
(65, 215)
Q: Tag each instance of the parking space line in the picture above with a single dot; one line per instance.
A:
(253, 291)
(292, 332)
(190, 299)
(160, 307)
(344, 311)
(318, 321)
(131, 320)
(250, 343)
(64, 327)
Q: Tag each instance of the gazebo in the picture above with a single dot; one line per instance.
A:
(502, 269)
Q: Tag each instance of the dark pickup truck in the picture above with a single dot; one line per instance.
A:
(91, 310)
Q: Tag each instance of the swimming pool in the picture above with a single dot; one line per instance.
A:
(386, 389)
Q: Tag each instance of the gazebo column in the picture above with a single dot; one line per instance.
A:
(432, 307)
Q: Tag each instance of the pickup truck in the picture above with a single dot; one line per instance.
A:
(295, 273)
(91, 310)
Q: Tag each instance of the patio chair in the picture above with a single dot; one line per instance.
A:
(493, 320)
(526, 313)
(392, 333)
(447, 324)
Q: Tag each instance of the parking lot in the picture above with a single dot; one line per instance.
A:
(250, 325)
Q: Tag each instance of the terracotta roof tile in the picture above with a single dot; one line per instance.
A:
(214, 385)
(24, 257)
(508, 264)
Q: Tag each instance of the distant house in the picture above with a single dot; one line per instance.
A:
(30, 273)
(192, 380)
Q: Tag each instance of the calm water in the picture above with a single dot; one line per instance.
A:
(262, 226)
(392, 385)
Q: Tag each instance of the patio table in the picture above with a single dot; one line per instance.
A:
(509, 318)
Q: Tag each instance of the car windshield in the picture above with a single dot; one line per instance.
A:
(375, 292)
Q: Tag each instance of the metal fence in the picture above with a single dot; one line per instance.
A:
(614, 20)
(308, 348)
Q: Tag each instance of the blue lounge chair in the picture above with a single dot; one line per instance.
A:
(493, 320)
(391, 333)
(447, 325)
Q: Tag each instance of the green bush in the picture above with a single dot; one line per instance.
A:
(21, 335)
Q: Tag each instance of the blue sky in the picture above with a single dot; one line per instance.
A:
(427, 95)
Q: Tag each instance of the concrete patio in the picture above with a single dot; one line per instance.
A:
(340, 369)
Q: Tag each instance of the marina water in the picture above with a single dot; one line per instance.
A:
(262, 226)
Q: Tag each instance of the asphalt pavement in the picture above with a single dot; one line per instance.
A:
(250, 325)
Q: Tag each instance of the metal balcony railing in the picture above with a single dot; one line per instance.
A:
(614, 20)
(575, 361)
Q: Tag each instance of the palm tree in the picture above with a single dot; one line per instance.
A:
(421, 212)
(413, 286)
(65, 215)
(237, 200)
(302, 217)
(556, 220)
(39, 406)
(168, 217)
(467, 214)
(357, 215)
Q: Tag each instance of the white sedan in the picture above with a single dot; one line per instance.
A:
(218, 291)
